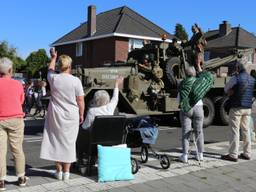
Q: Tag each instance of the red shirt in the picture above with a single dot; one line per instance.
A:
(11, 98)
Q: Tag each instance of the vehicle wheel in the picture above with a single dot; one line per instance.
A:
(135, 165)
(144, 154)
(164, 161)
(224, 117)
(209, 112)
(173, 71)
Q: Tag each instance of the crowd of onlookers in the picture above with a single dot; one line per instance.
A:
(35, 91)
(65, 114)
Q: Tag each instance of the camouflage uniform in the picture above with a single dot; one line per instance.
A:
(197, 43)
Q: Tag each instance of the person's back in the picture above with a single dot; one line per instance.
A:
(243, 91)
(11, 122)
(63, 91)
(11, 98)
(64, 113)
(240, 91)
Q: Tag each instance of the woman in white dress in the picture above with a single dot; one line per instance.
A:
(65, 112)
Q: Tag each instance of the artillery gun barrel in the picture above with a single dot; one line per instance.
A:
(217, 62)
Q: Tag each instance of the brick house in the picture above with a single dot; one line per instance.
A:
(108, 37)
(223, 41)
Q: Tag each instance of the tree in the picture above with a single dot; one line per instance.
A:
(180, 32)
(36, 61)
(8, 51)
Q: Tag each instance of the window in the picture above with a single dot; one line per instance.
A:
(135, 43)
(79, 49)
(249, 58)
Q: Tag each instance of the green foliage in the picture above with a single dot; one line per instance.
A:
(180, 32)
(8, 51)
(36, 61)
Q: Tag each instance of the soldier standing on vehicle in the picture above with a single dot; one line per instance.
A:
(197, 43)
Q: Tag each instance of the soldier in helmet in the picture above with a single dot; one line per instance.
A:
(174, 48)
(145, 65)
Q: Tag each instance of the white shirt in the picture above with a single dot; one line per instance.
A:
(102, 110)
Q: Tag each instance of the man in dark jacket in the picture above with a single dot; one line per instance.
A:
(240, 90)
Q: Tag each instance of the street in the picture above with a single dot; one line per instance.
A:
(169, 139)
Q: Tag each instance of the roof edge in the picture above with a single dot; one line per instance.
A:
(111, 35)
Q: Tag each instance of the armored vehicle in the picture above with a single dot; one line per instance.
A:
(152, 75)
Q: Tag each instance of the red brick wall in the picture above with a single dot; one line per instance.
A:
(121, 49)
(101, 51)
(70, 50)
(97, 52)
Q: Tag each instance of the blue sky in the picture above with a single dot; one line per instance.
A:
(32, 24)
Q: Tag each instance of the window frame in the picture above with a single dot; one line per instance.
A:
(79, 49)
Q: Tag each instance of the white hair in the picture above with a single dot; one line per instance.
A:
(190, 71)
(242, 64)
(100, 98)
(5, 65)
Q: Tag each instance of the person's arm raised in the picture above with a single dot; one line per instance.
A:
(52, 63)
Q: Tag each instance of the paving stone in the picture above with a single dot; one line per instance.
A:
(212, 175)
(116, 184)
(158, 184)
(81, 188)
(180, 171)
(173, 180)
(98, 186)
(182, 188)
(244, 188)
(79, 181)
(38, 188)
(154, 177)
(14, 190)
(33, 181)
(148, 170)
(122, 189)
(209, 178)
(141, 187)
(55, 185)
(139, 178)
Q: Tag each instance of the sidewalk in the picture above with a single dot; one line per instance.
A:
(212, 174)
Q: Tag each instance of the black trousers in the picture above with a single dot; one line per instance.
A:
(82, 143)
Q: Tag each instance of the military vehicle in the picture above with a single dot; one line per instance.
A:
(152, 75)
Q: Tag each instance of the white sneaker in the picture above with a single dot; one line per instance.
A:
(58, 175)
(200, 157)
(66, 176)
(183, 158)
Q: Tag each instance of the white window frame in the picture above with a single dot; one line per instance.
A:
(249, 58)
(135, 44)
(79, 49)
